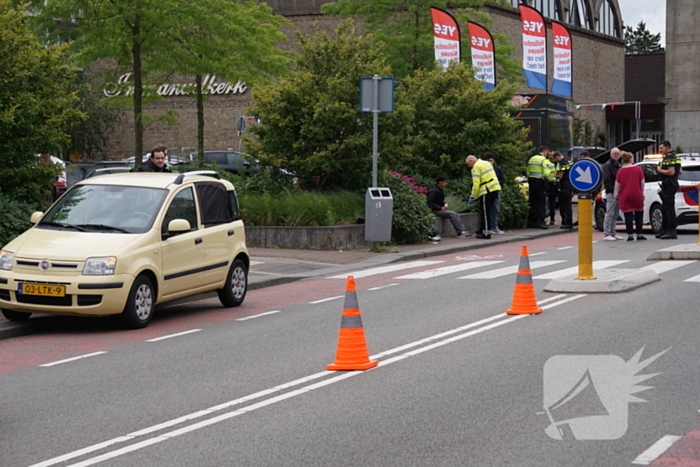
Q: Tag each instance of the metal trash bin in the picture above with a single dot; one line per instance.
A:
(379, 207)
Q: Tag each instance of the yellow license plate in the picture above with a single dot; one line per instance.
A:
(42, 289)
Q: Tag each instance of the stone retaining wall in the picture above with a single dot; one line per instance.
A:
(337, 237)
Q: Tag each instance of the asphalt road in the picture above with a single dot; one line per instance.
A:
(458, 382)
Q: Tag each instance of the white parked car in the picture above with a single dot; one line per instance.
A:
(686, 197)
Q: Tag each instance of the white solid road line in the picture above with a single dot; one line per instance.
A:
(509, 270)
(448, 270)
(385, 269)
(658, 448)
(383, 286)
(173, 335)
(569, 271)
(80, 357)
(326, 299)
(264, 403)
(665, 266)
(259, 315)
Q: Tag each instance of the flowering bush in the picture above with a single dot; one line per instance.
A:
(412, 220)
(415, 186)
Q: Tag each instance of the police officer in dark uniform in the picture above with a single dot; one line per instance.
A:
(669, 169)
(565, 190)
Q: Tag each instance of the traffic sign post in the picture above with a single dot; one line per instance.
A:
(585, 177)
(376, 96)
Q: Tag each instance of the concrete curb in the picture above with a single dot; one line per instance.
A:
(606, 281)
(687, 252)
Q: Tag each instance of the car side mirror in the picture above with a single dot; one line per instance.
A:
(179, 226)
(36, 217)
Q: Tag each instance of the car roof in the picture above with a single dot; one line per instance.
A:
(154, 179)
(687, 159)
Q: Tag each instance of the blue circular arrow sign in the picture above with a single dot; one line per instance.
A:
(585, 175)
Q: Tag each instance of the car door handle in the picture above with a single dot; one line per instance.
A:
(230, 233)
(197, 241)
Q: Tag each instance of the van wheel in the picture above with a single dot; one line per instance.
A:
(236, 286)
(655, 218)
(599, 216)
(140, 303)
(15, 315)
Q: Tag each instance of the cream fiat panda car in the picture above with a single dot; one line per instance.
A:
(123, 243)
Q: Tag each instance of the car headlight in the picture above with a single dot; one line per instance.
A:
(100, 266)
(6, 258)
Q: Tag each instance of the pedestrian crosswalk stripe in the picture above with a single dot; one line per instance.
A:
(385, 269)
(509, 270)
(602, 264)
(665, 266)
(693, 279)
(448, 270)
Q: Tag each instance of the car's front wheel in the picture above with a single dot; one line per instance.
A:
(599, 216)
(236, 286)
(140, 303)
(15, 315)
(656, 218)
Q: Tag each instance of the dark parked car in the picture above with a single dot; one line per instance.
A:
(575, 152)
(231, 161)
(633, 146)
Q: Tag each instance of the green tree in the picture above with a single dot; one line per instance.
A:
(311, 124)
(36, 106)
(642, 41)
(405, 27)
(229, 39)
(449, 116)
(89, 136)
(128, 33)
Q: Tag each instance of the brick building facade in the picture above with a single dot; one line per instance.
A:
(597, 57)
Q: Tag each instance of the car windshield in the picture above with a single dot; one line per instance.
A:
(105, 208)
(690, 174)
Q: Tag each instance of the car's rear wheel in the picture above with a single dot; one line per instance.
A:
(236, 286)
(656, 218)
(15, 315)
(140, 303)
(599, 216)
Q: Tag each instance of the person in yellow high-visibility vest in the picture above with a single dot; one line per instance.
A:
(485, 188)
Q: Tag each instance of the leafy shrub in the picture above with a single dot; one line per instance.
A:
(455, 203)
(412, 220)
(301, 208)
(14, 218)
(268, 180)
(514, 208)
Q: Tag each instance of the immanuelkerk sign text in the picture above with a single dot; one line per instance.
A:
(209, 86)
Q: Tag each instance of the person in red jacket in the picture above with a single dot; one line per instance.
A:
(629, 193)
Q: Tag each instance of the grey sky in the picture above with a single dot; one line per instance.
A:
(652, 12)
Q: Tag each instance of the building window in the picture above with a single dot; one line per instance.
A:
(579, 14)
(607, 21)
(548, 8)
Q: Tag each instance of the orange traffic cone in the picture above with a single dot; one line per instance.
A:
(524, 301)
(352, 351)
